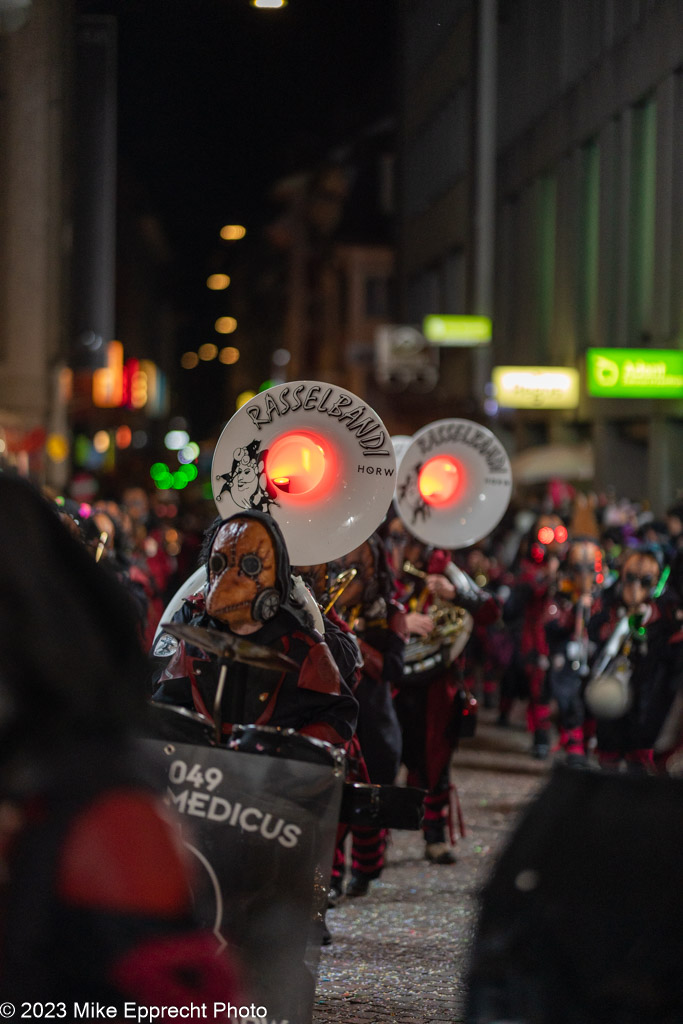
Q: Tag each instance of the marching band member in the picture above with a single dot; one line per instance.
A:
(567, 612)
(652, 649)
(249, 595)
(377, 621)
(428, 712)
(533, 580)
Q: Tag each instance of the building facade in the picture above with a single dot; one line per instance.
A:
(540, 183)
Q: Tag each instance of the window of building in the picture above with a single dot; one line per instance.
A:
(546, 208)
(642, 220)
(588, 231)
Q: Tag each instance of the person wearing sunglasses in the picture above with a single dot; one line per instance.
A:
(653, 666)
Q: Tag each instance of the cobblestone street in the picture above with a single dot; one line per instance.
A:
(400, 953)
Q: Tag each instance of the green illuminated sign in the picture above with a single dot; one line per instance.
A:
(634, 372)
(457, 330)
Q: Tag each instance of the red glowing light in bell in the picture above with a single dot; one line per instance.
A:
(546, 535)
(295, 463)
(561, 534)
(439, 480)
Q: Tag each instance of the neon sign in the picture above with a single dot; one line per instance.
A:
(634, 372)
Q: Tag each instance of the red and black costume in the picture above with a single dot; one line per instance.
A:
(429, 710)
(378, 624)
(531, 584)
(314, 700)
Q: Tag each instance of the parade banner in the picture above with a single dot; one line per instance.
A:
(261, 830)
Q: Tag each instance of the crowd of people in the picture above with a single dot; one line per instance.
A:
(577, 611)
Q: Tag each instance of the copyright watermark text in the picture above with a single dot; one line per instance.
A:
(216, 1011)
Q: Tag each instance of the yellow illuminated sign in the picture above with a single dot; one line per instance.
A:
(457, 329)
(536, 387)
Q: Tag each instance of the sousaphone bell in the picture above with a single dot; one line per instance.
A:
(453, 486)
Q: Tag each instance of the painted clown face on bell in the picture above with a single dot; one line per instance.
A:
(242, 576)
(244, 481)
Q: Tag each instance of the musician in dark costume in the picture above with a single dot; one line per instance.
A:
(567, 611)
(95, 901)
(653, 661)
(249, 595)
(427, 702)
(532, 580)
(366, 606)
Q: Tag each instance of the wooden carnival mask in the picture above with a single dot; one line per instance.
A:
(242, 576)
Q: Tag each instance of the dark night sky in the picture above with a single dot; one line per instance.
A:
(218, 99)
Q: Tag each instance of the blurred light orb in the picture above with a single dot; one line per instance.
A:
(233, 232)
(226, 324)
(101, 442)
(123, 436)
(208, 351)
(271, 5)
(176, 439)
(139, 439)
(229, 355)
(57, 447)
(243, 398)
(189, 360)
(217, 282)
(281, 357)
(189, 453)
(159, 470)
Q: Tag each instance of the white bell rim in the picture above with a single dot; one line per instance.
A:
(194, 583)
(484, 484)
(357, 485)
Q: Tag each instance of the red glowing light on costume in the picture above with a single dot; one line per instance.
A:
(296, 463)
(439, 480)
(546, 534)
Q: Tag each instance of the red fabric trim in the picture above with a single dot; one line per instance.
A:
(178, 971)
(123, 854)
(373, 661)
(319, 671)
(270, 706)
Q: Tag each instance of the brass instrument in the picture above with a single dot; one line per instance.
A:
(608, 693)
(451, 631)
(340, 584)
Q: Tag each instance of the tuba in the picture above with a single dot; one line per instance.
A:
(452, 629)
(453, 485)
(314, 457)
